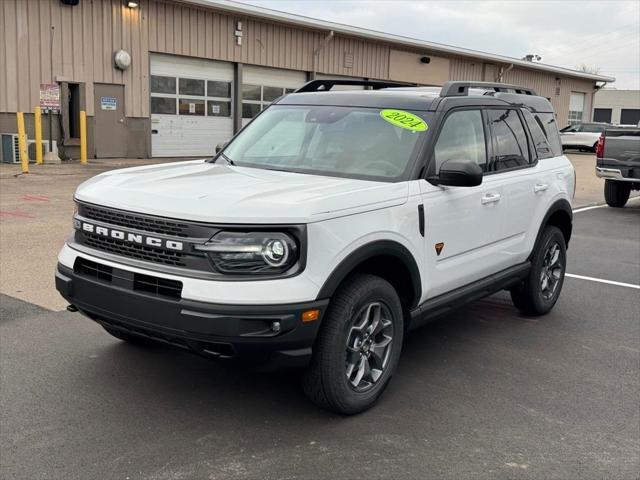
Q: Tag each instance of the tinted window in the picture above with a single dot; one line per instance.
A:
(540, 144)
(593, 128)
(189, 86)
(251, 92)
(219, 89)
(509, 139)
(269, 94)
(163, 105)
(163, 84)
(547, 122)
(250, 110)
(461, 138)
(189, 106)
(216, 108)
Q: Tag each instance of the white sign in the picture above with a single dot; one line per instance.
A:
(215, 109)
(108, 103)
(192, 108)
(50, 96)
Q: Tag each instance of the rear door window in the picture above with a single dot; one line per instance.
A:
(510, 147)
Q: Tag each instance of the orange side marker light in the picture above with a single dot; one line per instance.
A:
(310, 315)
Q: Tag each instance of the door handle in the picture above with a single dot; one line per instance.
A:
(540, 187)
(490, 198)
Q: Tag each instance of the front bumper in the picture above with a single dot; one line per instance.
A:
(267, 336)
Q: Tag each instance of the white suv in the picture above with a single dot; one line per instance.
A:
(327, 228)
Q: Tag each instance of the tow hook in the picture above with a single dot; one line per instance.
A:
(72, 308)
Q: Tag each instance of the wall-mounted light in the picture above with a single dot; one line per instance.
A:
(132, 3)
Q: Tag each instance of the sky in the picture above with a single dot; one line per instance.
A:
(600, 34)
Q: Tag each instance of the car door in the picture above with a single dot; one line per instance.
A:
(512, 166)
(463, 225)
(570, 136)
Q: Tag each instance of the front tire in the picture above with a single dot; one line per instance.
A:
(616, 194)
(540, 290)
(358, 346)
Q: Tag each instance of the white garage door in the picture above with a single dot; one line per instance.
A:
(262, 85)
(191, 105)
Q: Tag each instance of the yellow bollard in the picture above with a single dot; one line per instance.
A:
(38, 131)
(83, 136)
(22, 143)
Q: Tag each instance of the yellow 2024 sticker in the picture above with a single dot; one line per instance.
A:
(402, 119)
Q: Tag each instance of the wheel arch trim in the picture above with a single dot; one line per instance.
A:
(561, 205)
(367, 251)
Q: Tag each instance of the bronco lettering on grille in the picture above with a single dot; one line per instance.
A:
(132, 237)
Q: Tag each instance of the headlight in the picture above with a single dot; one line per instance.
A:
(259, 253)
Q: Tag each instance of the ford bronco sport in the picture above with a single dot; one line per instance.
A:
(328, 227)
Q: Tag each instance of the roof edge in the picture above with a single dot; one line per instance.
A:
(308, 22)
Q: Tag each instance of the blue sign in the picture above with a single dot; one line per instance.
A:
(108, 103)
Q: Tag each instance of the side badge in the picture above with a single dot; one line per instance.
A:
(439, 246)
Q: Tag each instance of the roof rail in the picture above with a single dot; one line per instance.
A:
(327, 84)
(461, 89)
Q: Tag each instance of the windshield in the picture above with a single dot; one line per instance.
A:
(328, 140)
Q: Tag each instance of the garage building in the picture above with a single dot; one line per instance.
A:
(201, 69)
(620, 107)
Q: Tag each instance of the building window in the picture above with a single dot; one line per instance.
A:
(163, 105)
(256, 97)
(190, 96)
(576, 107)
(191, 106)
(163, 84)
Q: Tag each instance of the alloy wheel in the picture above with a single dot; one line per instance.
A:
(369, 346)
(551, 271)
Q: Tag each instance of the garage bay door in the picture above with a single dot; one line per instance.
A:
(261, 86)
(190, 105)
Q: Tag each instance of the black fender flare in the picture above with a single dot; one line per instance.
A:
(373, 249)
(561, 205)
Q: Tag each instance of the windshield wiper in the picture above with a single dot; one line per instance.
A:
(227, 159)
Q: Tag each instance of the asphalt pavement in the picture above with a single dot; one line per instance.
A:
(483, 393)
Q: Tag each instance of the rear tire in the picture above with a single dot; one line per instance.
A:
(539, 292)
(616, 194)
(355, 355)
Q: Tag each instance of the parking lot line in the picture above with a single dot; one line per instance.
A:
(584, 209)
(601, 280)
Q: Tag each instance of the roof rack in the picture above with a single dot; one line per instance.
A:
(461, 89)
(327, 84)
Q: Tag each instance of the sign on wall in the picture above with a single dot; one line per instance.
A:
(108, 103)
(50, 96)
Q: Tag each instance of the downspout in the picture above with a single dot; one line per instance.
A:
(502, 72)
(316, 53)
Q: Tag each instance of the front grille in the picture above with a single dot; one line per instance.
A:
(93, 270)
(138, 222)
(157, 286)
(132, 250)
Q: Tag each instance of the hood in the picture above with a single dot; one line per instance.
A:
(208, 192)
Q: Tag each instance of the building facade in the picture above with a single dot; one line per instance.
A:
(200, 69)
(620, 107)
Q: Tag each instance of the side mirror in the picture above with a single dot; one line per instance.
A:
(221, 145)
(458, 173)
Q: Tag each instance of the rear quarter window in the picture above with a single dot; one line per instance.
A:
(548, 125)
(540, 144)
